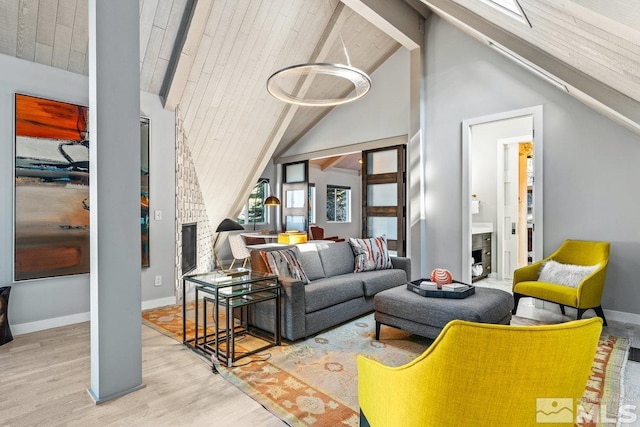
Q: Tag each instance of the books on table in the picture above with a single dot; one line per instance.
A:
(428, 286)
(456, 287)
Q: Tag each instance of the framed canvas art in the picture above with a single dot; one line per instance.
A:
(51, 193)
(144, 191)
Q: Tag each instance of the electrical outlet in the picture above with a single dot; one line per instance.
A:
(158, 280)
(157, 215)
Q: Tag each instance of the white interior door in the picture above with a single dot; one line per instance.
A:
(510, 216)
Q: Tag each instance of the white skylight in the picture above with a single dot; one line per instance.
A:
(510, 7)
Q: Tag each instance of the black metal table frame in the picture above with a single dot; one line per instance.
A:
(236, 300)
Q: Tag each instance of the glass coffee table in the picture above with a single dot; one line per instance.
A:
(233, 292)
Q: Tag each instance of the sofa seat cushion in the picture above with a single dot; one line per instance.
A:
(330, 291)
(380, 280)
(337, 258)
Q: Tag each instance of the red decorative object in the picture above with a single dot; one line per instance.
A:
(441, 276)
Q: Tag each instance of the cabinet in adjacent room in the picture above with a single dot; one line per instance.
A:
(481, 255)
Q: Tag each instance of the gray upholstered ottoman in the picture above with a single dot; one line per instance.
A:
(425, 316)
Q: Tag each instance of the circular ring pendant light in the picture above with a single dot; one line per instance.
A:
(359, 79)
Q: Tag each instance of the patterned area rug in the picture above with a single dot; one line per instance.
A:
(314, 382)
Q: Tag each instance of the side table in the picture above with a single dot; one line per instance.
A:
(235, 295)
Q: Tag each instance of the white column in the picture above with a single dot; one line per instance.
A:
(114, 126)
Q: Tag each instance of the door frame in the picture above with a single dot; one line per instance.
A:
(399, 211)
(537, 113)
(501, 143)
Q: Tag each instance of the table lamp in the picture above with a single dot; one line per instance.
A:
(226, 225)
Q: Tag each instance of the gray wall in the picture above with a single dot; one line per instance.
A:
(590, 163)
(337, 177)
(46, 303)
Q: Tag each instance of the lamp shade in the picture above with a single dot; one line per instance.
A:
(228, 225)
(272, 201)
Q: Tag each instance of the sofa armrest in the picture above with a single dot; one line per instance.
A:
(292, 315)
(402, 263)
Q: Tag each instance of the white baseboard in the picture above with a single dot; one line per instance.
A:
(160, 302)
(41, 325)
(621, 316)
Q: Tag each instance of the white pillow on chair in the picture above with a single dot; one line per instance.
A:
(565, 274)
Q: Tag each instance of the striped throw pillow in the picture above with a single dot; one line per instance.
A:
(285, 263)
(371, 254)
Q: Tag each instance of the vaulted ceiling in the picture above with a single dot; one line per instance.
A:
(210, 60)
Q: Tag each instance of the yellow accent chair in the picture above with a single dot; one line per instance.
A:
(478, 374)
(588, 293)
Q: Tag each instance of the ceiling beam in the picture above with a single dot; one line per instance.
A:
(396, 18)
(330, 162)
(188, 49)
(607, 101)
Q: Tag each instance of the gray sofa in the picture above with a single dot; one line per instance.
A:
(334, 293)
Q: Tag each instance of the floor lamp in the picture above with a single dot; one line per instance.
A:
(226, 225)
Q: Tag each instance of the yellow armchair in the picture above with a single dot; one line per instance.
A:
(477, 374)
(587, 295)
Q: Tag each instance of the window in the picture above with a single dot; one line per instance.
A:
(338, 203)
(255, 211)
(311, 217)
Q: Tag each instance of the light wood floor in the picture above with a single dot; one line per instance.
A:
(44, 378)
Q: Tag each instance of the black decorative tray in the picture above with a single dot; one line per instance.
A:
(414, 286)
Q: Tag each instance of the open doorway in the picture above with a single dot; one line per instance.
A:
(502, 154)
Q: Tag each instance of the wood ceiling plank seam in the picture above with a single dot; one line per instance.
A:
(233, 35)
(80, 40)
(151, 57)
(27, 24)
(240, 82)
(196, 98)
(81, 18)
(44, 53)
(76, 62)
(586, 29)
(61, 47)
(200, 56)
(311, 12)
(146, 24)
(187, 94)
(223, 32)
(66, 12)
(600, 63)
(9, 27)
(214, 123)
(158, 75)
(80, 37)
(45, 33)
(172, 29)
(219, 9)
(164, 10)
(625, 24)
(250, 17)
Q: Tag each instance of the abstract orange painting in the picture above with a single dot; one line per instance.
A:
(51, 188)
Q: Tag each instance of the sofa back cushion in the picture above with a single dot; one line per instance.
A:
(371, 254)
(285, 263)
(310, 260)
(337, 258)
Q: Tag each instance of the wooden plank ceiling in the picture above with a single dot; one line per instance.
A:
(210, 59)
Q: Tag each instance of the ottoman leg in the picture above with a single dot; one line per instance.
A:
(377, 331)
